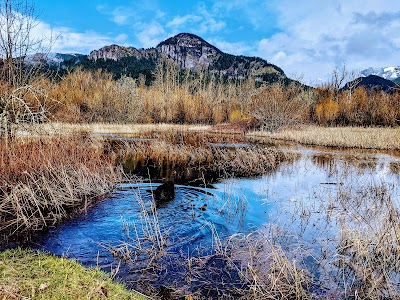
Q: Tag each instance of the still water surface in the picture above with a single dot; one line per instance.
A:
(300, 198)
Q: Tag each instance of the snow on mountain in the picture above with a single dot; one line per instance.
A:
(55, 60)
(390, 73)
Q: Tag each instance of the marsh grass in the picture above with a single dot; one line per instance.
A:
(249, 266)
(199, 152)
(377, 138)
(268, 271)
(367, 259)
(395, 167)
(340, 137)
(46, 181)
(131, 130)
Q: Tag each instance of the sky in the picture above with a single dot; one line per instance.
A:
(308, 39)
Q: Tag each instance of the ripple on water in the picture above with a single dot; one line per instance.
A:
(121, 218)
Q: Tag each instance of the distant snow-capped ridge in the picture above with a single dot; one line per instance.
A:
(390, 73)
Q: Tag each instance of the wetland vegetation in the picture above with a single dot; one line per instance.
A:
(256, 214)
(251, 219)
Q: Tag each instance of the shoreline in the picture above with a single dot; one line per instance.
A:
(370, 138)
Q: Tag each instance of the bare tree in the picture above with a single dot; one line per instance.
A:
(17, 21)
(277, 105)
(342, 76)
(338, 78)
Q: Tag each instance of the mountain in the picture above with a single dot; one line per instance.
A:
(390, 73)
(188, 50)
(371, 82)
(55, 60)
(116, 52)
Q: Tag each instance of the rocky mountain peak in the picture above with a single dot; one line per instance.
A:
(188, 40)
(114, 52)
(189, 50)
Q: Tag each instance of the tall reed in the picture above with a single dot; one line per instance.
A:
(45, 181)
(247, 161)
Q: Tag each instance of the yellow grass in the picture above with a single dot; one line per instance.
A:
(111, 128)
(341, 137)
(379, 138)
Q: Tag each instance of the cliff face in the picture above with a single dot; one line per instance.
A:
(116, 52)
(113, 52)
(189, 51)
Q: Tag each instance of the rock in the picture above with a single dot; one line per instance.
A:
(116, 52)
(203, 207)
(165, 192)
(189, 51)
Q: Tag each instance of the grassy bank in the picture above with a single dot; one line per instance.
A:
(379, 138)
(109, 128)
(34, 275)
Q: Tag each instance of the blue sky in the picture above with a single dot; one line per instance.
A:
(306, 38)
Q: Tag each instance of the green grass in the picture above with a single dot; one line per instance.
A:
(28, 274)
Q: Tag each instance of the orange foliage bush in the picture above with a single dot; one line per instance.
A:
(357, 108)
(174, 97)
(326, 111)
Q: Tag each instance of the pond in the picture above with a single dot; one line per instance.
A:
(305, 210)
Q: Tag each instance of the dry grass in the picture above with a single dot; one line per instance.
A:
(45, 181)
(110, 128)
(379, 138)
(249, 266)
(339, 137)
(365, 262)
(228, 162)
(268, 271)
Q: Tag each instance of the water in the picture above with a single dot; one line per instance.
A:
(300, 206)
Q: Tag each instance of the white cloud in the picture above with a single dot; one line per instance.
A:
(149, 34)
(201, 21)
(119, 15)
(121, 37)
(318, 36)
(128, 15)
(208, 21)
(255, 12)
(66, 40)
(179, 21)
(238, 48)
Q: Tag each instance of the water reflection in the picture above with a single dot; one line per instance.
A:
(310, 208)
